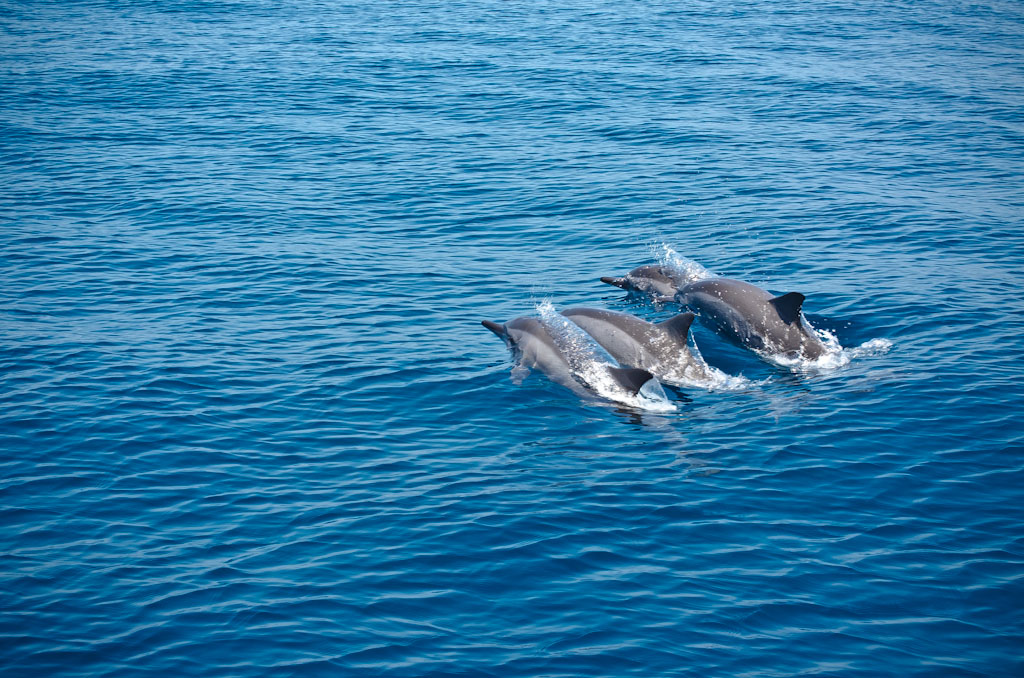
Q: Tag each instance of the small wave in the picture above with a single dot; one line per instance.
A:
(589, 363)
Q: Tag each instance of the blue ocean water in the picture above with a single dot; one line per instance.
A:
(250, 422)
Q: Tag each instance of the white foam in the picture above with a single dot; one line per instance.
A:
(835, 355)
(871, 347)
(590, 362)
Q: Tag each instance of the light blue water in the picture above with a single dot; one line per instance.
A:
(250, 423)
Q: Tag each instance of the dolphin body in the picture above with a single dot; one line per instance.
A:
(660, 348)
(538, 349)
(657, 281)
(745, 313)
(754, 317)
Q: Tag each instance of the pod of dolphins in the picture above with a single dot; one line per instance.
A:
(744, 313)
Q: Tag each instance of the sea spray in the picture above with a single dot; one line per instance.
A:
(682, 270)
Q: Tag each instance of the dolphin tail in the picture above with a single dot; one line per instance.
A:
(630, 378)
(788, 306)
(617, 282)
(497, 328)
(678, 326)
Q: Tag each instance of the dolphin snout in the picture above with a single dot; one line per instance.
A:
(618, 282)
(497, 328)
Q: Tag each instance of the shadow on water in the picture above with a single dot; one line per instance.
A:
(639, 418)
(681, 396)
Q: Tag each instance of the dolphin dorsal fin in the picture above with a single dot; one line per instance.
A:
(788, 306)
(630, 378)
(678, 326)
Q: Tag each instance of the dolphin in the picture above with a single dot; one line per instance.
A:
(658, 281)
(530, 338)
(660, 348)
(754, 317)
(745, 313)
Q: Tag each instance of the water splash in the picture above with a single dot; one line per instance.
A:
(835, 355)
(712, 378)
(519, 374)
(589, 362)
(871, 347)
(580, 350)
(682, 270)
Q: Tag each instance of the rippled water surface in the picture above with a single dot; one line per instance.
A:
(251, 424)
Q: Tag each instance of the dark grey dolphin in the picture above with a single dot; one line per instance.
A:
(660, 348)
(754, 317)
(537, 348)
(658, 281)
(744, 312)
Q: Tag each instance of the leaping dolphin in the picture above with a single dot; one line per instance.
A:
(743, 312)
(660, 348)
(530, 338)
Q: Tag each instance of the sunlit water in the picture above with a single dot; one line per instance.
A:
(251, 424)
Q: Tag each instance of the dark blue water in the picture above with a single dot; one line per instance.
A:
(251, 425)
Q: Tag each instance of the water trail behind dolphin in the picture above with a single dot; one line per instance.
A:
(590, 362)
(834, 357)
